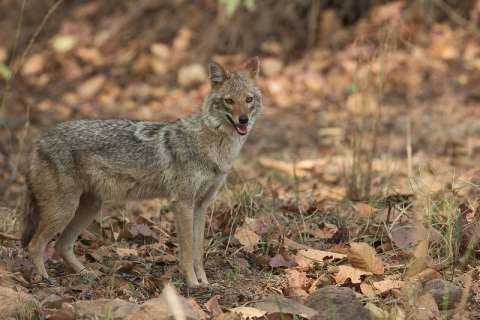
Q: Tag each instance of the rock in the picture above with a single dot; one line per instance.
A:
(191, 75)
(426, 307)
(114, 309)
(278, 305)
(54, 301)
(17, 305)
(333, 303)
(375, 312)
(445, 293)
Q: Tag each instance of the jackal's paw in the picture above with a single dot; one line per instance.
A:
(192, 282)
(88, 276)
(202, 278)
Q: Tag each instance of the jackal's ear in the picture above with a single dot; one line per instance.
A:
(217, 73)
(253, 67)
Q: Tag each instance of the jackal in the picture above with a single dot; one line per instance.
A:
(78, 165)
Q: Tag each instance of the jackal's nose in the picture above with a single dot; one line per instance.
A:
(243, 119)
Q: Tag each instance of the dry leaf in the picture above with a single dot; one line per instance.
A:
(91, 87)
(307, 257)
(213, 307)
(427, 275)
(367, 289)
(384, 286)
(296, 279)
(348, 272)
(248, 312)
(247, 238)
(364, 210)
(279, 261)
(362, 255)
(125, 252)
(326, 232)
(34, 65)
(284, 166)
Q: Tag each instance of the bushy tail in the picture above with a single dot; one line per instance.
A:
(30, 216)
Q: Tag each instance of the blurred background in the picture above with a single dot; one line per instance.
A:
(367, 92)
(368, 104)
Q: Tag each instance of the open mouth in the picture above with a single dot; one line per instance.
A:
(241, 129)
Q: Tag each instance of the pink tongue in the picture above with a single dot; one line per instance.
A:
(242, 130)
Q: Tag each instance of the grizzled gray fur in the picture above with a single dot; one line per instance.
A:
(78, 165)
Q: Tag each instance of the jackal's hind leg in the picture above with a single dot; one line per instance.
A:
(88, 209)
(54, 215)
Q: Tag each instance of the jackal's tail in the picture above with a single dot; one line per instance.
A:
(30, 216)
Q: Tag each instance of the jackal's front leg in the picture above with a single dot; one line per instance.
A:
(200, 215)
(184, 219)
(199, 244)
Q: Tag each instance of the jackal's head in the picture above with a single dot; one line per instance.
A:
(235, 99)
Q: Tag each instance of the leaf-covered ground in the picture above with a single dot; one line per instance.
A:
(362, 173)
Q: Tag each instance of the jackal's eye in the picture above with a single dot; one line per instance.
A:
(249, 99)
(229, 101)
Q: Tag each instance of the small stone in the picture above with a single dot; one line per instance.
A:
(375, 312)
(191, 75)
(445, 293)
(333, 303)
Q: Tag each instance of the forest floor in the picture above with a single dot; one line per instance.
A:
(362, 172)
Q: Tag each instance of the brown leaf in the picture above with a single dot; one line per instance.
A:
(367, 290)
(138, 231)
(327, 231)
(365, 210)
(296, 279)
(34, 65)
(362, 255)
(315, 255)
(125, 252)
(386, 285)
(249, 312)
(197, 309)
(89, 88)
(213, 307)
(247, 238)
(348, 272)
(279, 261)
